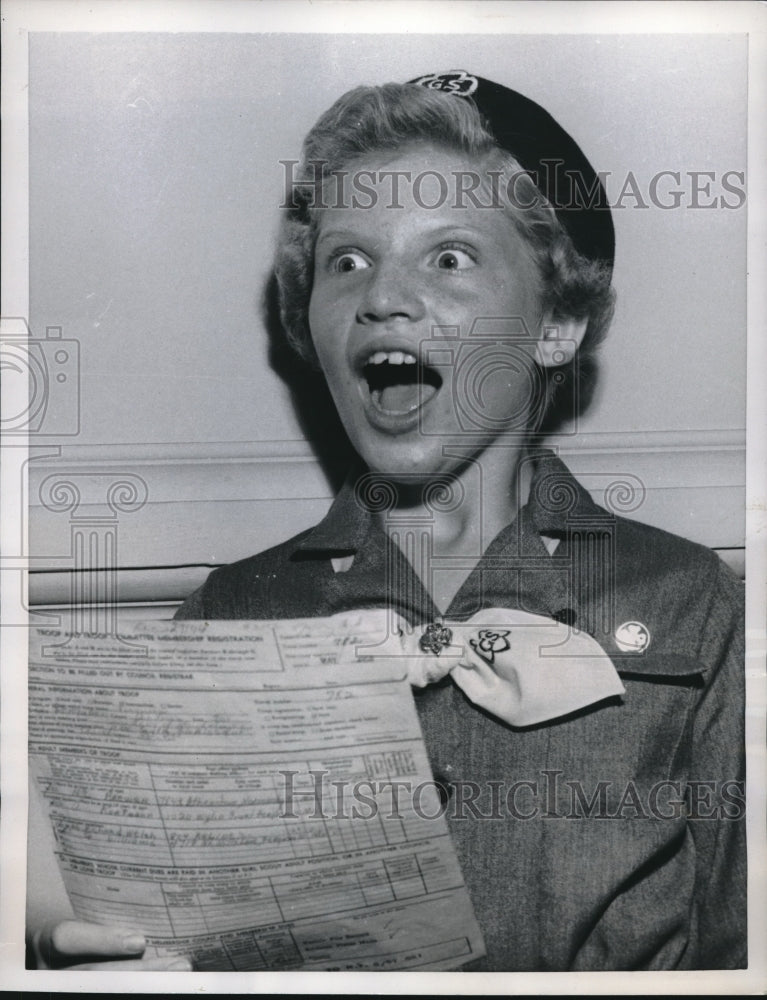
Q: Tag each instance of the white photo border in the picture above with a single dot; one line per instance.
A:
(330, 16)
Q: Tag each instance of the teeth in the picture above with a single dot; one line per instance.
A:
(392, 357)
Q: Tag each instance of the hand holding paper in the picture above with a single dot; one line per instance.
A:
(255, 795)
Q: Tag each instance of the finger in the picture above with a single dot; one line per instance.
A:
(479, 682)
(168, 963)
(71, 938)
(423, 670)
(475, 675)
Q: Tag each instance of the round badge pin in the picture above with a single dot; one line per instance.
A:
(632, 637)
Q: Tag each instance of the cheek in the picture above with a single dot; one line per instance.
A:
(519, 283)
(321, 326)
(330, 311)
(314, 319)
(497, 387)
(332, 369)
(329, 348)
(518, 297)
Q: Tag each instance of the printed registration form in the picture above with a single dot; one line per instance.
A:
(255, 795)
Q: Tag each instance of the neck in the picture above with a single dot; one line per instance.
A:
(481, 497)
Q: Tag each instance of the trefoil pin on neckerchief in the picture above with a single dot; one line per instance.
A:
(489, 642)
(436, 638)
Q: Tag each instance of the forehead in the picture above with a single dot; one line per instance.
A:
(422, 188)
(419, 175)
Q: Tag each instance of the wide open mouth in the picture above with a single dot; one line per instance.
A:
(398, 383)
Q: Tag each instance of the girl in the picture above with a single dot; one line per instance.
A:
(445, 262)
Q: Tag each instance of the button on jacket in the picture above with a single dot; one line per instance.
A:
(614, 837)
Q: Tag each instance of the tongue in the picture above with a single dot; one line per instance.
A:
(403, 398)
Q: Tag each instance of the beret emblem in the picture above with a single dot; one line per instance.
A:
(457, 81)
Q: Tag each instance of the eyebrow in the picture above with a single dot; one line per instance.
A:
(337, 234)
(352, 236)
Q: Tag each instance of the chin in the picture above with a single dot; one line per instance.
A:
(408, 465)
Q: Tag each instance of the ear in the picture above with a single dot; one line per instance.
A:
(559, 340)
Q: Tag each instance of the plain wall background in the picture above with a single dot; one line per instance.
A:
(154, 190)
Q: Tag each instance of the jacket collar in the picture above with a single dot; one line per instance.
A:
(344, 527)
(556, 503)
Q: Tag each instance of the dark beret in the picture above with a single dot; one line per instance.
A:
(543, 148)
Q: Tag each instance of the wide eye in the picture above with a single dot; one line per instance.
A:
(454, 259)
(348, 260)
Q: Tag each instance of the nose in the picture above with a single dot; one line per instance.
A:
(391, 292)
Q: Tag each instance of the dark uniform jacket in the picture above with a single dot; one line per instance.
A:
(611, 838)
